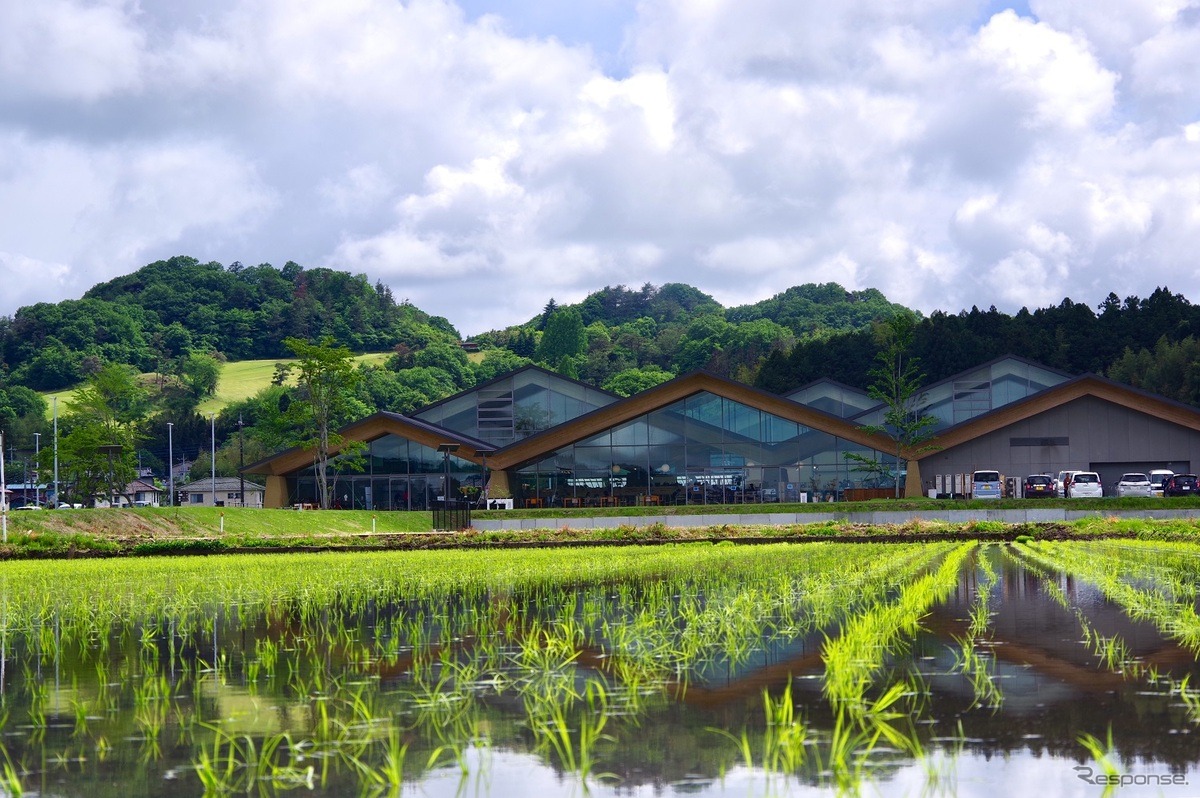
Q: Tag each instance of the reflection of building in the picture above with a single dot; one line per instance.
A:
(548, 440)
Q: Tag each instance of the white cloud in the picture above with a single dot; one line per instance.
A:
(480, 166)
(1055, 70)
(68, 50)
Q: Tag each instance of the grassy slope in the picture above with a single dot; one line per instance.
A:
(238, 381)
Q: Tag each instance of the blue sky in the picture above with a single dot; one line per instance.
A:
(481, 158)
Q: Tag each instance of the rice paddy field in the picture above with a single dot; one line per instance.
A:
(933, 668)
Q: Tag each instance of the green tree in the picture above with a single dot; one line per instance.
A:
(325, 399)
(98, 453)
(496, 362)
(632, 381)
(898, 385)
(563, 338)
(450, 359)
(199, 374)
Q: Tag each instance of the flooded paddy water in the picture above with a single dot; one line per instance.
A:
(815, 669)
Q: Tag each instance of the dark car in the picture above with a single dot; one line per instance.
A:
(1038, 485)
(1180, 485)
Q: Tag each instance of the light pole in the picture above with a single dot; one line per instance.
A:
(3, 491)
(170, 464)
(213, 456)
(37, 450)
(56, 497)
(241, 463)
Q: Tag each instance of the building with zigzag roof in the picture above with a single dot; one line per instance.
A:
(545, 440)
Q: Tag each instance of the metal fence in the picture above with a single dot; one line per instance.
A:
(452, 516)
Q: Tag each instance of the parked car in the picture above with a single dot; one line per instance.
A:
(1085, 485)
(1134, 484)
(985, 485)
(1180, 485)
(1157, 477)
(1038, 486)
(1062, 484)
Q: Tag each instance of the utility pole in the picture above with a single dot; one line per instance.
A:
(213, 455)
(57, 499)
(3, 491)
(241, 463)
(37, 450)
(170, 465)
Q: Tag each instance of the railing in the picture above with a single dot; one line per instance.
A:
(451, 516)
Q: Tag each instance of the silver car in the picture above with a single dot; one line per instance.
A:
(1134, 484)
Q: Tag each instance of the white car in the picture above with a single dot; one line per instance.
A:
(1062, 483)
(1157, 478)
(1085, 485)
(1134, 484)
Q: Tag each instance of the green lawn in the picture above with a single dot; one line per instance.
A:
(238, 381)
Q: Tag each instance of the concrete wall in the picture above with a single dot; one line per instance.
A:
(1099, 436)
(1024, 515)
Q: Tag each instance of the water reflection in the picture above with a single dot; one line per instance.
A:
(692, 682)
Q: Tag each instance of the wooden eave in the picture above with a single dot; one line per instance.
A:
(370, 428)
(1051, 398)
(540, 445)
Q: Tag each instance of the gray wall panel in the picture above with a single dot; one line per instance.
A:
(1099, 432)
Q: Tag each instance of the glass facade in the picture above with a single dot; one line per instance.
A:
(974, 393)
(393, 473)
(516, 406)
(830, 397)
(701, 450)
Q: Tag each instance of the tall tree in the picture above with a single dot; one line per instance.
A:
(563, 338)
(103, 422)
(326, 381)
(897, 384)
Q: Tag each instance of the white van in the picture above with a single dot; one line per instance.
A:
(985, 485)
(1157, 478)
(1062, 484)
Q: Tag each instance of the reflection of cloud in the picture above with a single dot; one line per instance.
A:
(742, 148)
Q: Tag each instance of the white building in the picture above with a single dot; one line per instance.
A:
(221, 492)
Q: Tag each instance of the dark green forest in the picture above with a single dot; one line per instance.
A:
(169, 308)
(167, 327)
(1147, 343)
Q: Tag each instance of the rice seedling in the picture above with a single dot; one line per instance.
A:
(10, 776)
(363, 673)
(1102, 754)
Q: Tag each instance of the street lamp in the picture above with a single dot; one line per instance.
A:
(213, 456)
(241, 462)
(56, 496)
(170, 464)
(37, 450)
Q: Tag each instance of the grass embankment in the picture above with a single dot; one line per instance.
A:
(201, 530)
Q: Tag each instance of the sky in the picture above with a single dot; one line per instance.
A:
(481, 158)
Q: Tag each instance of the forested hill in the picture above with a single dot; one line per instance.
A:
(1149, 343)
(169, 308)
(629, 339)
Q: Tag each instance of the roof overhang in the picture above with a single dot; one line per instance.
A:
(373, 427)
(1087, 385)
